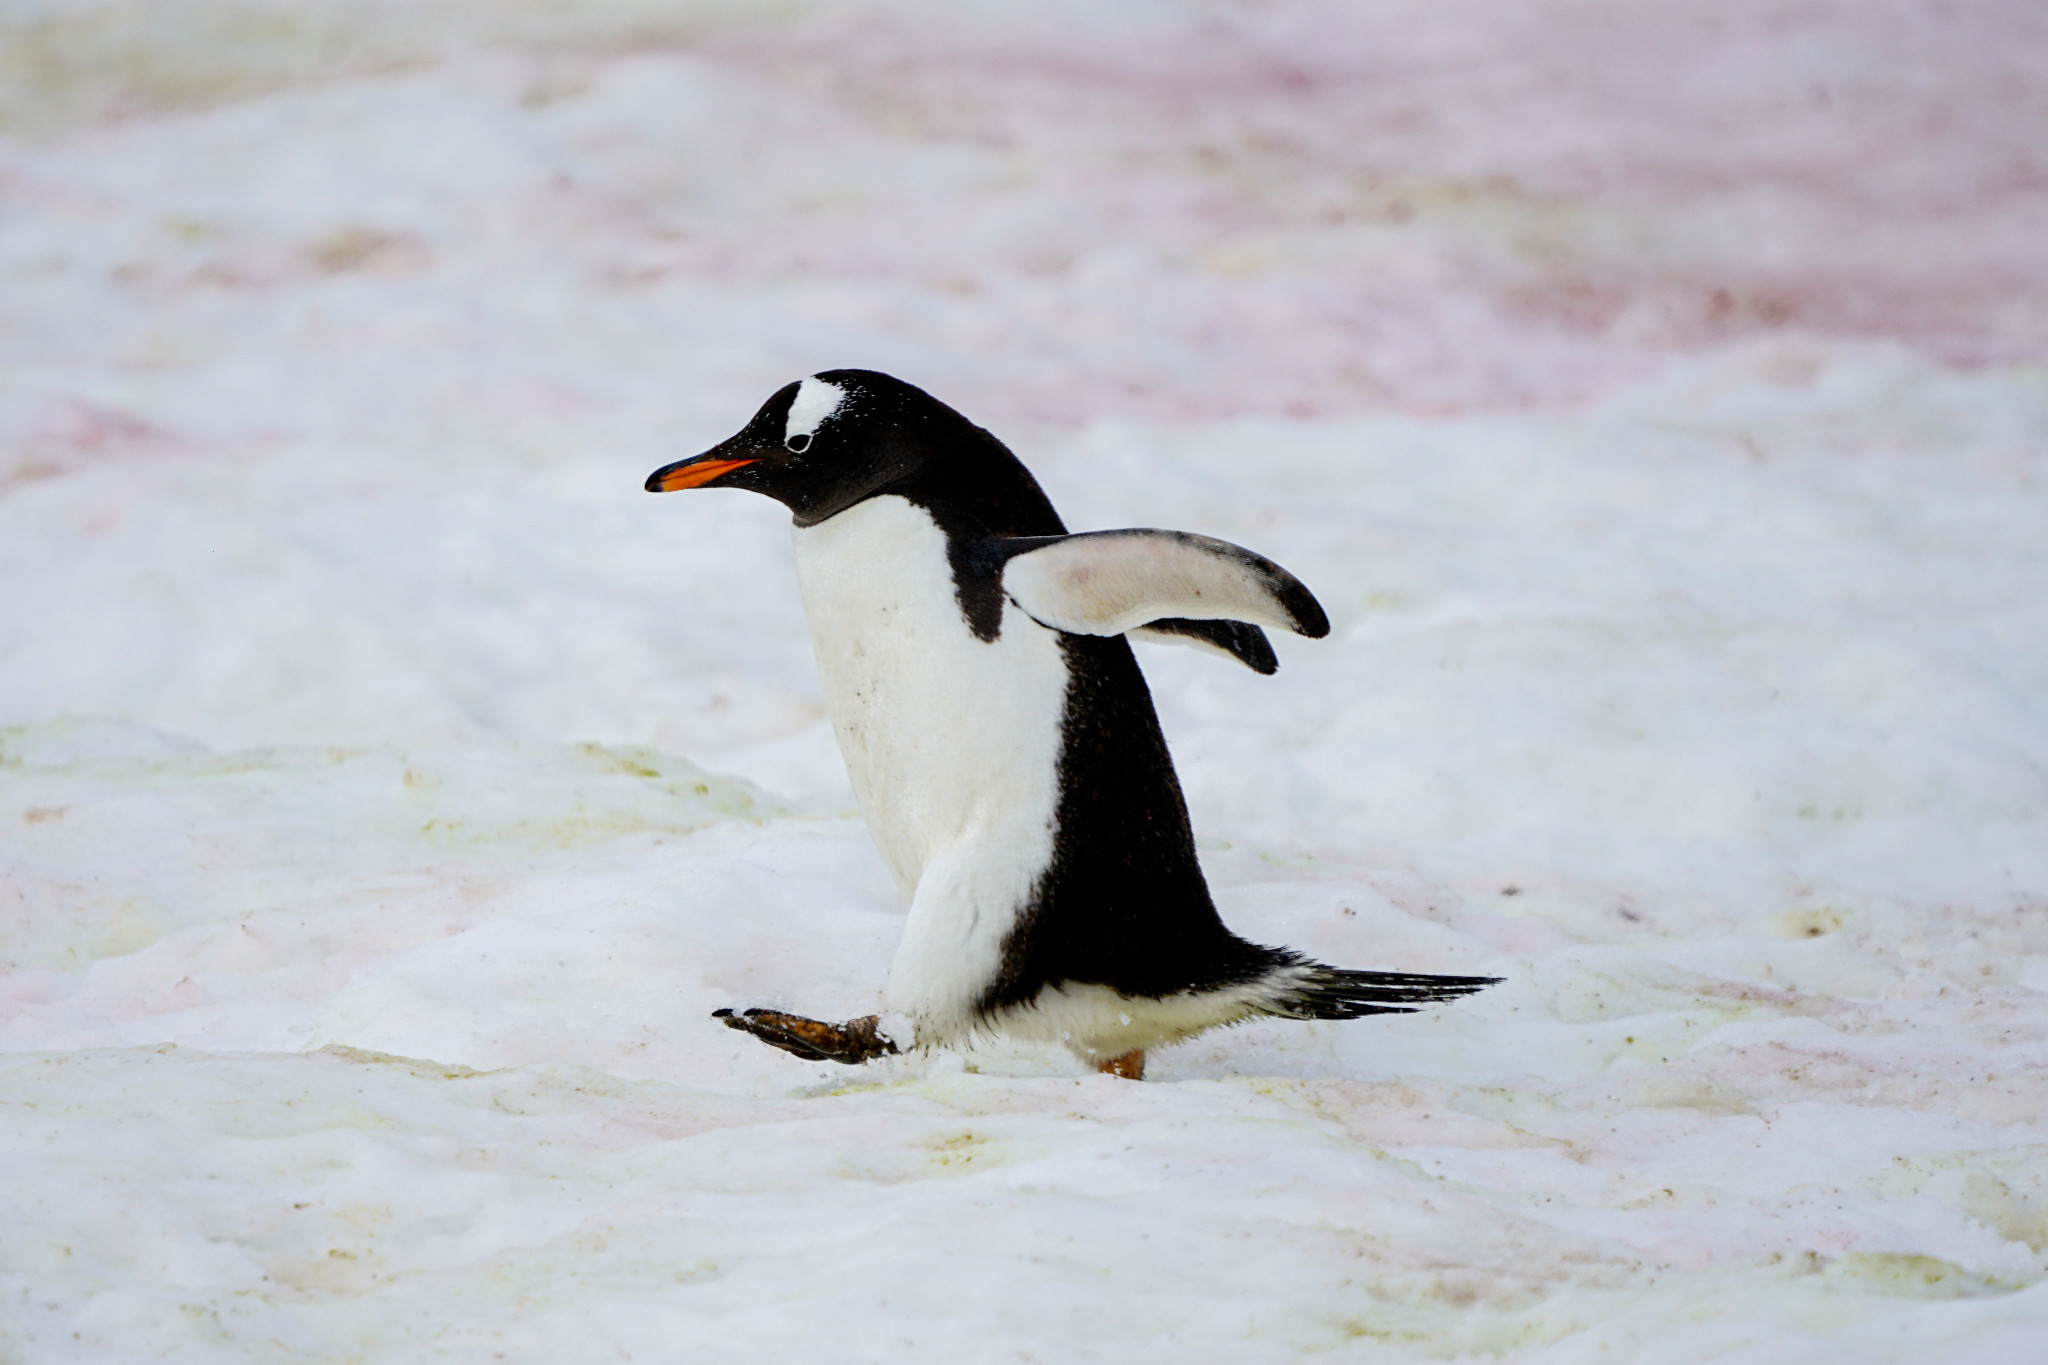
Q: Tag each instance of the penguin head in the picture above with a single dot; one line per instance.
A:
(823, 444)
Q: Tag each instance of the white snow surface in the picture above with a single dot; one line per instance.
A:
(389, 788)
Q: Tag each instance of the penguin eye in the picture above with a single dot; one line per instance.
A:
(799, 442)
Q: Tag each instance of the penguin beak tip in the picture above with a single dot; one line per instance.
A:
(693, 473)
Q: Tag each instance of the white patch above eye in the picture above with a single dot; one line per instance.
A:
(816, 399)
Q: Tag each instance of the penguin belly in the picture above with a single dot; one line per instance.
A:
(952, 744)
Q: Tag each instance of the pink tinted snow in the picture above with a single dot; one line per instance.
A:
(1051, 213)
(1322, 207)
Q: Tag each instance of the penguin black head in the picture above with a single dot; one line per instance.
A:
(823, 444)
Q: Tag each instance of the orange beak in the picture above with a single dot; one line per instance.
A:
(692, 474)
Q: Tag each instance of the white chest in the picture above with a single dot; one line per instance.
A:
(952, 743)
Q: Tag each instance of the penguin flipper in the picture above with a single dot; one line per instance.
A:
(1246, 644)
(1109, 582)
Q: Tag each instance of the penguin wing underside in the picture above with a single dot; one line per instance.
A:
(1234, 639)
(1164, 583)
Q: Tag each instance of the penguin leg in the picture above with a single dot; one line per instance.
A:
(1130, 1066)
(853, 1042)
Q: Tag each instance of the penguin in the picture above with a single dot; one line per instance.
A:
(975, 661)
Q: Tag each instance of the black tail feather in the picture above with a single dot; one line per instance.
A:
(1334, 993)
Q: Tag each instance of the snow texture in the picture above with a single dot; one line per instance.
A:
(389, 788)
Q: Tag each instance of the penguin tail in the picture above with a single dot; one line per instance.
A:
(1319, 992)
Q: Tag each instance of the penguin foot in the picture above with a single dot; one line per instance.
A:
(1130, 1066)
(853, 1042)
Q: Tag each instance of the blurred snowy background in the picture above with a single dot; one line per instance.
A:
(1657, 396)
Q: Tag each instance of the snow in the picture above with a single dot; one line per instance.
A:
(390, 788)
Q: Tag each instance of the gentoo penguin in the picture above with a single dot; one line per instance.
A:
(1002, 742)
